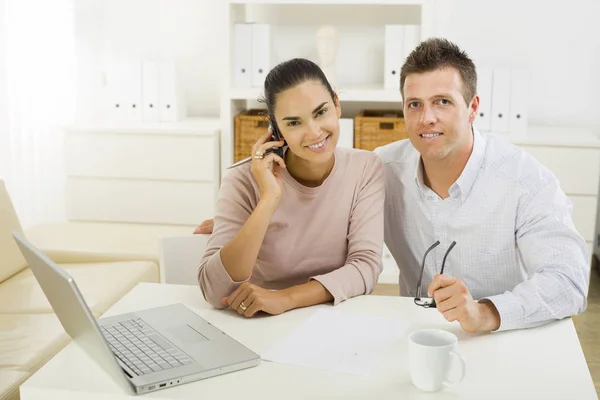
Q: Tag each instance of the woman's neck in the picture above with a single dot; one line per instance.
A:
(307, 173)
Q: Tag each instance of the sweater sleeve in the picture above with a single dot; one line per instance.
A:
(365, 239)
(235, 203)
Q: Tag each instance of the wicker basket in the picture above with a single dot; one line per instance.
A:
(374, 128)
(249, 126)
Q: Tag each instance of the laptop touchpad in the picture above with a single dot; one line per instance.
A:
(187, 334)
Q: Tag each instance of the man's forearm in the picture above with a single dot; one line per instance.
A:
(239, 255)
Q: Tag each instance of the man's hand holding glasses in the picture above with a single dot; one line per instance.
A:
(455, 302)
(452, 298)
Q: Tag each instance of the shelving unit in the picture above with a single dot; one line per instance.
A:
(156, 173)
(291, 21)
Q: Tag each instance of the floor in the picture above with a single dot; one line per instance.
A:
(587, 324)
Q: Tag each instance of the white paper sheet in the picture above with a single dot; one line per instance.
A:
(338, 341)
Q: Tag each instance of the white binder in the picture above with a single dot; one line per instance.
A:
(412, 38)
(346, 133)
(242, 55)
(393, 56)
(261, 53)
(170, 93)
(150, 91)
(519, 101)
(483, 120)
(125, 90)
(500, 100)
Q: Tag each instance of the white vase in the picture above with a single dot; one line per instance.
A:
(327, 48)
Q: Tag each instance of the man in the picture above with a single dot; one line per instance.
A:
(518, 261)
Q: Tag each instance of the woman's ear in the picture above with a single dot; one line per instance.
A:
(338, 107)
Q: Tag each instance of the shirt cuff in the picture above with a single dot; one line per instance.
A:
(353, 283)
(216, 282)
(510, 310)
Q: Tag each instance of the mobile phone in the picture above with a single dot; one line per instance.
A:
(275, 137)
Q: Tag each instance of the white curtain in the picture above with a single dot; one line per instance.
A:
(40, 71)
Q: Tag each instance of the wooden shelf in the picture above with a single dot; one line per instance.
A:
(330, 2)
(351, 93)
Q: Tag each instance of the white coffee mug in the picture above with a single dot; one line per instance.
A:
(430, 352)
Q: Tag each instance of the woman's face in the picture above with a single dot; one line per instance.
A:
(308, 119)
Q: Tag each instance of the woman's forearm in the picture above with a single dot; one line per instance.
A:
(239, 255)
(307, 294)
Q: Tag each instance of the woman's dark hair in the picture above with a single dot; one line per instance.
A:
(288, 74)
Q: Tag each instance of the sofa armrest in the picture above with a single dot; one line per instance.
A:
(9, 383)
(68, 242)
(78, 257)
(179, 258)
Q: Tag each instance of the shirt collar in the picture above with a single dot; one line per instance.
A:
(419, 181)
(465, 181)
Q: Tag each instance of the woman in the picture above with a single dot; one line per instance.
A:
(303, 229)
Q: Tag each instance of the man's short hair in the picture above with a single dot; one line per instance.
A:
(438, 53)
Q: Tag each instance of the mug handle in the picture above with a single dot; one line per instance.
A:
(463, 367)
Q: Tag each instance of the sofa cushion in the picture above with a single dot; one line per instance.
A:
(101, 284)
(106, 240)
(28, 341)
(9, 383)
(11, 259)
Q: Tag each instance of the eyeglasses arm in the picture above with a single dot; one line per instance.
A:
(433, 246)
(446, 255)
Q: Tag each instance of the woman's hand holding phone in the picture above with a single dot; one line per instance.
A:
(266, 167)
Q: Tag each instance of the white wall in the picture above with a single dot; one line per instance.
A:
(183, 30)
(558, 42)
(38, 83)
(4, 138)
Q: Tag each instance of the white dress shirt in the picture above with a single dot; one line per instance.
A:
(516, 242)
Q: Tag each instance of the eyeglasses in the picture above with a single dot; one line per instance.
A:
(429, 302)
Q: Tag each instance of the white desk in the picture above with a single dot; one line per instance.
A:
(542, 363)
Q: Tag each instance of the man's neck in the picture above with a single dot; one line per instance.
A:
(440, 175)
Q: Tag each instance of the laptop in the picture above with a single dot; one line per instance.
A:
(146, 350)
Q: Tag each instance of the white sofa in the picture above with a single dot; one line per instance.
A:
(106, 260)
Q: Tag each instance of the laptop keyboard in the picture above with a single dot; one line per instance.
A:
(132, 343)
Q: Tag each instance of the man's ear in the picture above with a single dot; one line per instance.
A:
(336, 102)
(473, 109)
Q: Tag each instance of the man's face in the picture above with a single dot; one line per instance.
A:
(437, 119)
